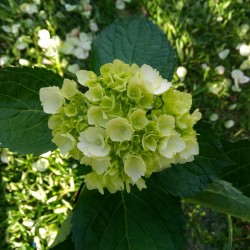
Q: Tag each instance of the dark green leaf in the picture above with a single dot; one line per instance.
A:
(186, 179)
(239, 173)
(23, 123)
(149, 219)
(134, 40)
(223, 197)
(66, 244)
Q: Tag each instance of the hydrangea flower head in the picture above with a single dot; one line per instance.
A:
(128, 124)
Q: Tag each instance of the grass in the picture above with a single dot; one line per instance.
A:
(33, 203)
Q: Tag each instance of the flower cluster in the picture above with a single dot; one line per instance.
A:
(129, 124)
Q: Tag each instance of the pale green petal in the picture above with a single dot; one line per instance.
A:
(191, 148)
(99, 164)
(171, 145)
(65, 142)
(52, 99)
(95, 94)
(119, 129)
(70, 110)
(149, 142)
(176, 102)
(94, 181)
(113, 180)
(146, 100)
(165, 124)
(86, 78)
(134, 167)
(108, 103)
(138, 119)
(134, 91)
(69, 88)
(96, 116)
(55, 121)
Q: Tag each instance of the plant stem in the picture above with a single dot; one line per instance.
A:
(230, 232)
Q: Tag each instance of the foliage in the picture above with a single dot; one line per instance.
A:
(39, 191)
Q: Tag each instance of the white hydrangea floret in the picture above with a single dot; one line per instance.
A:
(170, 145)
(51, 99)
(119, 129)
(64, 141)
(224, 54)
(99, 164)
(92, 142)
(69, 88)
(152, 81)
(134, 167)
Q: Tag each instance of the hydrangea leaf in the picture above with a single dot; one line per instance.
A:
(134, 40)
(239, 173)
(186, 179)
(23, 124)
(148, 219)
(223, 197)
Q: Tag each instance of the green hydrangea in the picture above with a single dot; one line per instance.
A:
(129, 124)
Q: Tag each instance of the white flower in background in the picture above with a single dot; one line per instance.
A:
(93, 26)
(73, 68)
(224, 53)
(70, 7)
(28, 223)
(232, 106)
(23, 62)
(6, 28)
(42, 231)
(4, 60)
(181, 72)
(239, 76)
(37, 2)
(204, 66)
(46, 61)
(220, 70)
(29, 8)
(41, 165)
(244, 49)
(77, 44)
(14, 29)
(245, 65)
(120, 4)
(44, 39)
(48, 44)
(214, 117)
(5, 157)
(229, 124)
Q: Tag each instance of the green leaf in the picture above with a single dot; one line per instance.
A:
(186, 179)
(134, 40)
(239, 173)
(23, 123)
(64, 232)
(223, 197)
(66, 244)
(148, 219)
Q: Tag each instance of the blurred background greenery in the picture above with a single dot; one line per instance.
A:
(212, 43)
